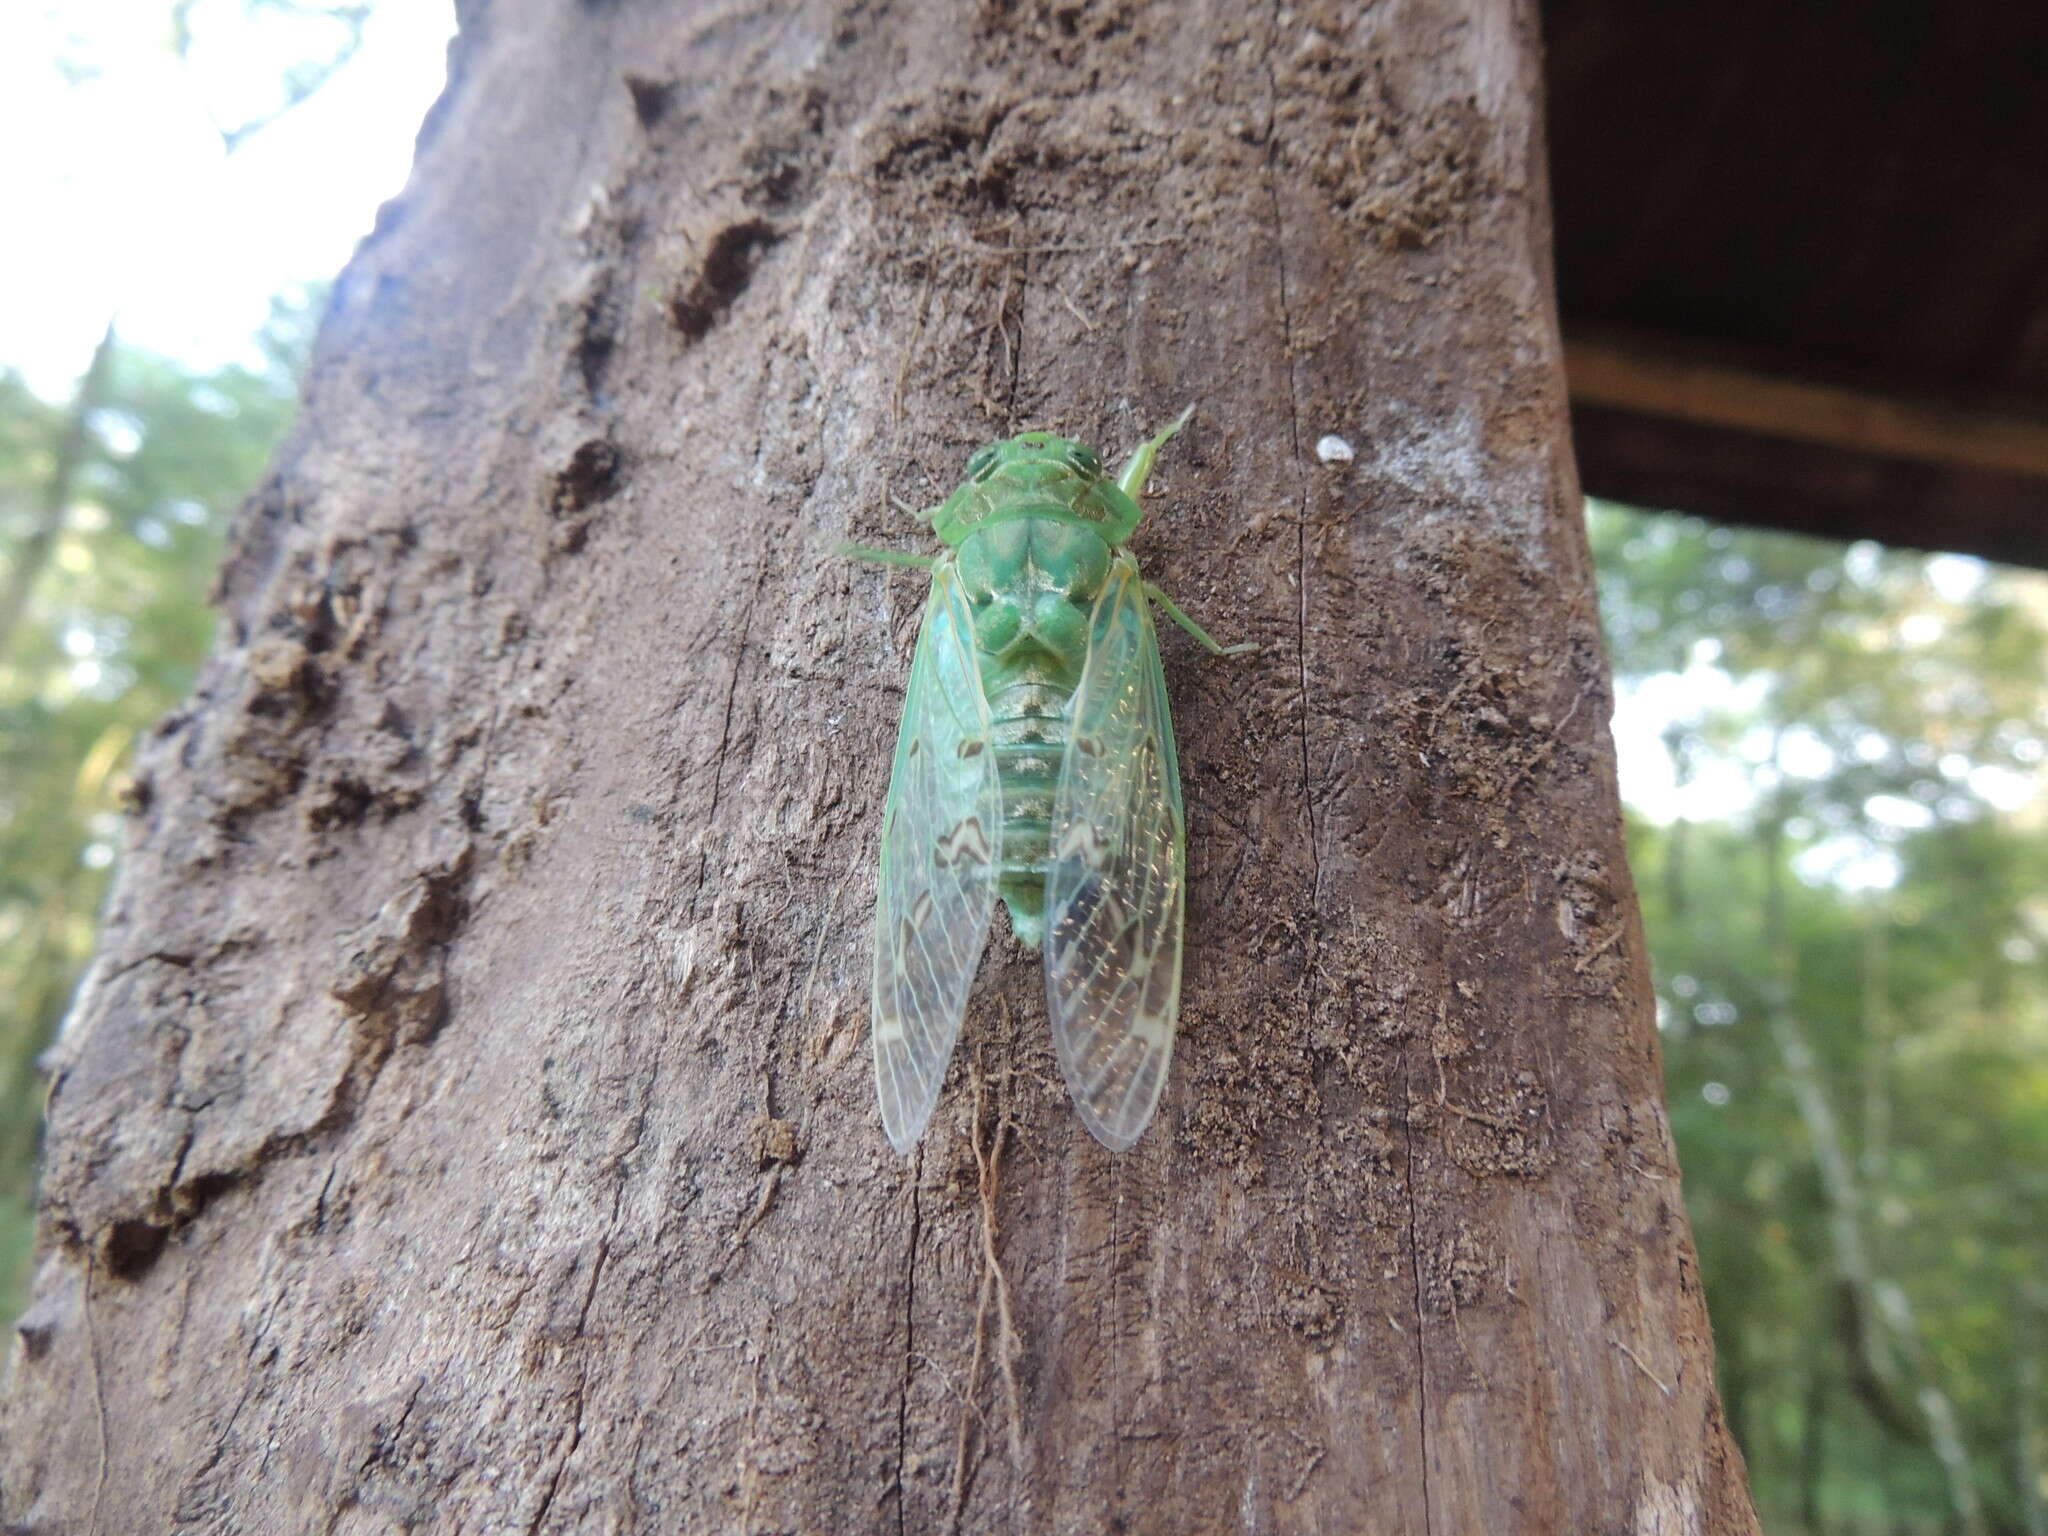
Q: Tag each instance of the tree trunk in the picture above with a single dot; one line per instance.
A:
(469, 1123)
(53, 508)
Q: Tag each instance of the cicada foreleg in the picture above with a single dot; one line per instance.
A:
(1132, 481)
(885, 556)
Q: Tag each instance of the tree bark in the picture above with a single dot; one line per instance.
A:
(469, 1124)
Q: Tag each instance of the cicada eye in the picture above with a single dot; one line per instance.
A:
(982, 465)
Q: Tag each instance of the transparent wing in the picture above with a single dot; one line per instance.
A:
(941, 852)
(1114, 895)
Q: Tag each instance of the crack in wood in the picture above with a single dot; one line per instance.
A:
(575, 1435)
(739, 661)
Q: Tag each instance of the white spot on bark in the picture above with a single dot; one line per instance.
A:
(1334, 450)
(1444, 465)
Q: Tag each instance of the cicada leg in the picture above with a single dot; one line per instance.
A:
(1132, 481)
(1201, 635)
(885, 556)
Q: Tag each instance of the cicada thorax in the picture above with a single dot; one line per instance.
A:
(1031, 582)
(1036, 474)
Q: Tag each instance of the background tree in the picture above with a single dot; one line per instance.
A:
(1855, 1006)
(467, 1117)
(113, 503)
(106, 647)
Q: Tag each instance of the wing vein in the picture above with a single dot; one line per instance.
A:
(1114, 893)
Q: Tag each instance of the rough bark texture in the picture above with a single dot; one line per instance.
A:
(469, 1124)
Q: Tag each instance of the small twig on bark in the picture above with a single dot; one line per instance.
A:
(1073, 308)
(1542, 753)
(1637, 1360)
(749, 1477)
(1599, 949)
(990, 1164)
(760, 1210)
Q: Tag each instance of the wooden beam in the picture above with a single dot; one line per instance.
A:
(1657, 378)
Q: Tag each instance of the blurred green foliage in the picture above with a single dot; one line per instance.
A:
(1843, 863)
(112, 632)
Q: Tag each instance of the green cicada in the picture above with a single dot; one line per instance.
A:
(1035, 763)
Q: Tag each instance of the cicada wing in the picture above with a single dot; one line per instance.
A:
(941, 854)
(1115, 890)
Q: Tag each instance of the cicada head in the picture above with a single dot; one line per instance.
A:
(1036, 474)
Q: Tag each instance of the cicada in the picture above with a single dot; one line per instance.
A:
(1036, 763)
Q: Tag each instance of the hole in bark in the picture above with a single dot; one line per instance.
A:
(443, 906)
(195, 1195)
(593, 356)
(131, 1247)
(777, 181)
(650, 98)
(591, 475)
(597, 341)
(35, 1331)
(920, 154)
(345, 804)
(728, 268)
